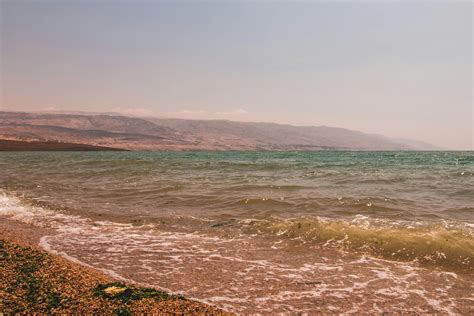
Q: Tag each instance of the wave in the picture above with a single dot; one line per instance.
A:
(446, 245)
(440, 245)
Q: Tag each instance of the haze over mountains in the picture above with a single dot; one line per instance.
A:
(149, 133)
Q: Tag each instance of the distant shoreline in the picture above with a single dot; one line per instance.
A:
(16, 145)
(7, 145)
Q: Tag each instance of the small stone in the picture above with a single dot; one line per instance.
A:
(114, 290)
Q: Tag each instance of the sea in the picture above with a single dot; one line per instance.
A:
(261, 232)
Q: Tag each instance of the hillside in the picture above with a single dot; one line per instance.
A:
(177, 134)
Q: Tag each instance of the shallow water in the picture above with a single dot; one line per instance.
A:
(302, 231)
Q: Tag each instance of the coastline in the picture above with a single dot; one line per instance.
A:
(17, 145)
(36, 281)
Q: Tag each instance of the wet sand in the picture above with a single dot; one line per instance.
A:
(34, 281)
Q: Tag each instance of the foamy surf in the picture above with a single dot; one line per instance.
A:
(245, 272)
(441, 244)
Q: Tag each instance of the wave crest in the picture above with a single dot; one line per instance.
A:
(434, 245)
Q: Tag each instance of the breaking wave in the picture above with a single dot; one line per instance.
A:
(449, 246)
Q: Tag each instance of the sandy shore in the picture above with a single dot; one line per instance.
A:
(34, 281)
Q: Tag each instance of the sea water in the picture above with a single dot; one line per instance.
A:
(323, 231)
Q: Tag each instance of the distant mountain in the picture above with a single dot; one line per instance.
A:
(418, 144)
(134, 133)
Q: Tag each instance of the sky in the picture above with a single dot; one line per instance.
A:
(402, 69)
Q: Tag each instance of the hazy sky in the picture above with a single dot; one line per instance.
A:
(397, 68)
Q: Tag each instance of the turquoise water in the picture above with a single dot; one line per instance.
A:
(390, 185)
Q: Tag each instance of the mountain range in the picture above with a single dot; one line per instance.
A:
(150, 134)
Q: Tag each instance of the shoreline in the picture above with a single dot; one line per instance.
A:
(37, 281)
(24, 235)
(18, 145)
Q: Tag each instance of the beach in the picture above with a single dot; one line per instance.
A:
(34, 281)
(236, 157)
